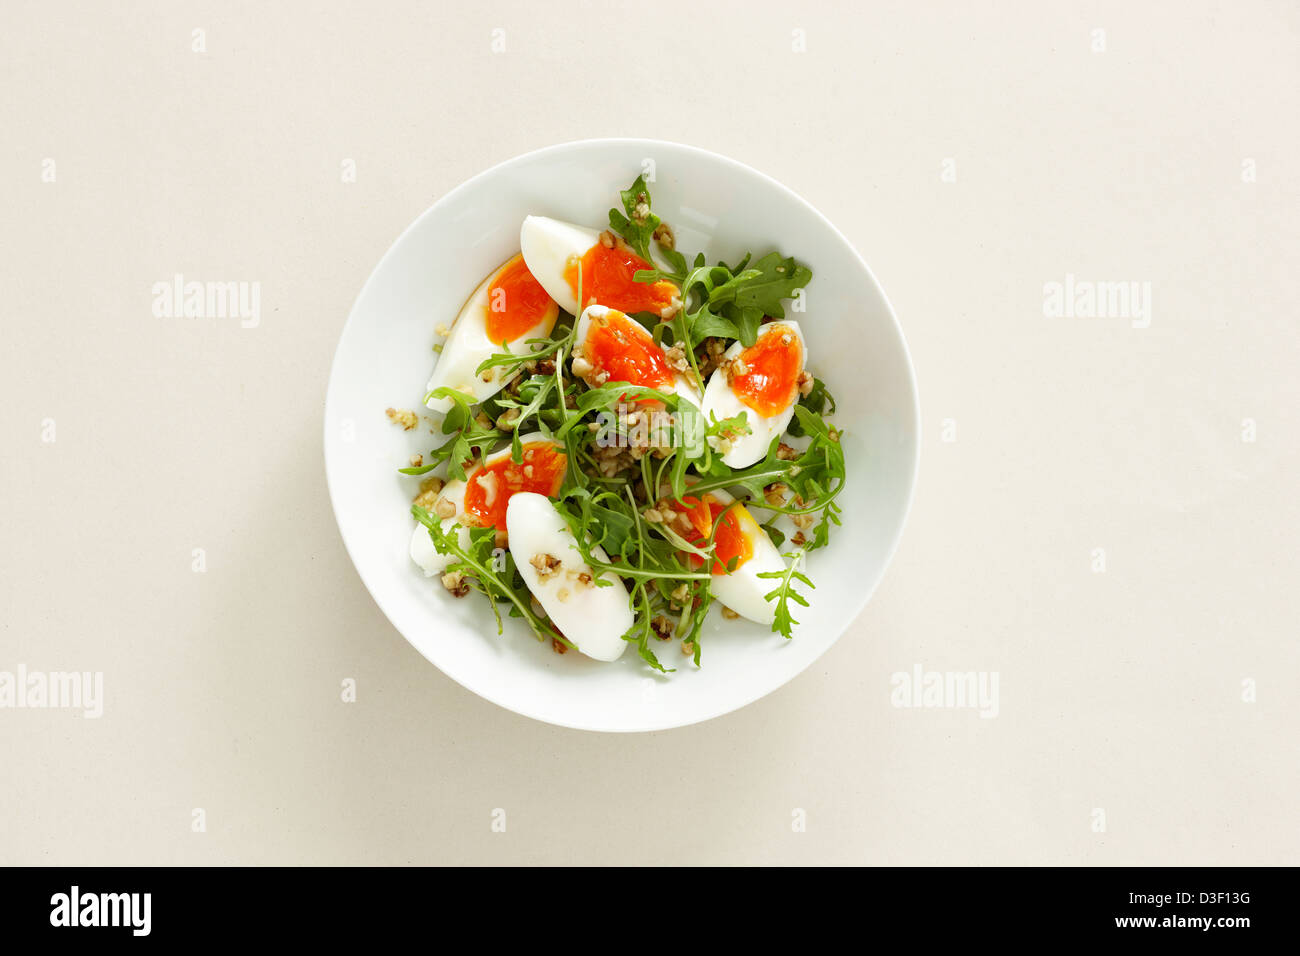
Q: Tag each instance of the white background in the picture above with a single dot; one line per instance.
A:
(1120, 691)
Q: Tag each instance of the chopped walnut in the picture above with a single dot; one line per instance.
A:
(663, 235)
(557, 646)
(445, 508)
(455, 582)
(735, 368)
(677, 516)
(417, 461)
(688, 649)
(671, 309)
(581, 367)
(681, 593)
(429, 489)
(709, 357)
(662, 627)
(806, 382)
(546, 565)
(676, 356)
(584, 579)
(406, 418)
(786, 453)
(607, 239)
(799, 539)
(491, 485)
(507, 420)
(774, 494)
(729, 614)
(611, 459)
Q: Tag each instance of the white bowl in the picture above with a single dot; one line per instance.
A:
(715, 205)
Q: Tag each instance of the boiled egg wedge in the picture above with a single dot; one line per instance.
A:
(762, 383)
(481, 500)
(611, 346)
(507, 309)
(593, 617)
(492, 485)
(562, 256)
(738, 537)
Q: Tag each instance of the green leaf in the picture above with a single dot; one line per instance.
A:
(637, 224)
(819, 401)
(777, 280)
(783, 622)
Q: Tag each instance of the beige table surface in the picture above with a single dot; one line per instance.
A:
(1147, 712)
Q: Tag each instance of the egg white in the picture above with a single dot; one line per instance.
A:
(592, 617)
(548, 245)
(721, 402)
(468, 346)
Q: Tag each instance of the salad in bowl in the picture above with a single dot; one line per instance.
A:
(629, 439)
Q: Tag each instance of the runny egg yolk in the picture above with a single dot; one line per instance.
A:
(616, 345)
(731, 539)
(489, 488)
(608, 278)
(516, 302)
(771, 368)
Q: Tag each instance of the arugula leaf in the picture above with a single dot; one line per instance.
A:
(778, 278)
(785, 592)
(471, 438)
(637, 224)
(817, 402)
(733, 302)
(705, 323)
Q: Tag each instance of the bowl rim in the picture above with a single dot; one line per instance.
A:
(650, 144)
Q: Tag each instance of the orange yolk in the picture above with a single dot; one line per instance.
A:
(607, 278)
(730, 540)
(617, 345)
(490, 487)
(772, 368)
(516, 302)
